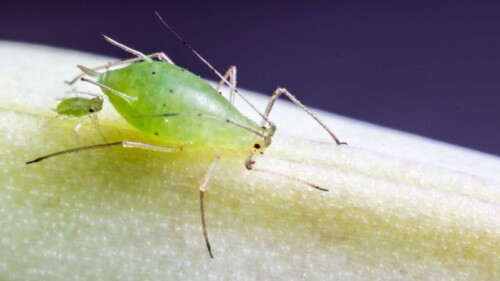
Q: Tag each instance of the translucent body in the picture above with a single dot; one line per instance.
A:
(79, 106)
(178, 107)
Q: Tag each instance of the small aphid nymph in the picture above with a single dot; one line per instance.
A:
(81, 107)
(165, 101)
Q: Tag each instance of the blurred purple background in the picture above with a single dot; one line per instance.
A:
(431, 68)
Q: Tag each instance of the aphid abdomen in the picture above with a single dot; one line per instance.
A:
(75, 107)
(177, 106)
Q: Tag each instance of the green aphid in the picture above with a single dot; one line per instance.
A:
(81, 107)
(170, 103)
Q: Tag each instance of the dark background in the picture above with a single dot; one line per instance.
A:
(427, 67)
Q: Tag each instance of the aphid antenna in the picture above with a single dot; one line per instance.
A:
(278, 92)
(77, 93)
(212, 68)
(203, 116)
(127, 49)
(92, 94)
(72, 91)
(95, 123)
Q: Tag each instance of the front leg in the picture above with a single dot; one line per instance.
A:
(277, 93)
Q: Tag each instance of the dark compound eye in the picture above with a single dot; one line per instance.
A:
(256, 146)
(91, 110)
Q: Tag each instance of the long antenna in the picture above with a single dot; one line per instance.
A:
(210, 66)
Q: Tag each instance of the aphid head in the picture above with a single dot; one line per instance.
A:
(95, 108)
(96, 104)
(264, 141)
(258, 147)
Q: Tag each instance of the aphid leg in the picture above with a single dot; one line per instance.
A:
(249, 165)
(125, 144)
(52, 120)
(277, 93)
(72, 92)
(203, 188)
(76, 129)
(159, 55)
(95, 122)
(231, 76)
(290, 178)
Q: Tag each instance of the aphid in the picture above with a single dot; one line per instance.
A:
(165, 101)
(81, 107)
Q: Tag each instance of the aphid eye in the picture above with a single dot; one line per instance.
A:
(256, 146)
(91, 110)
